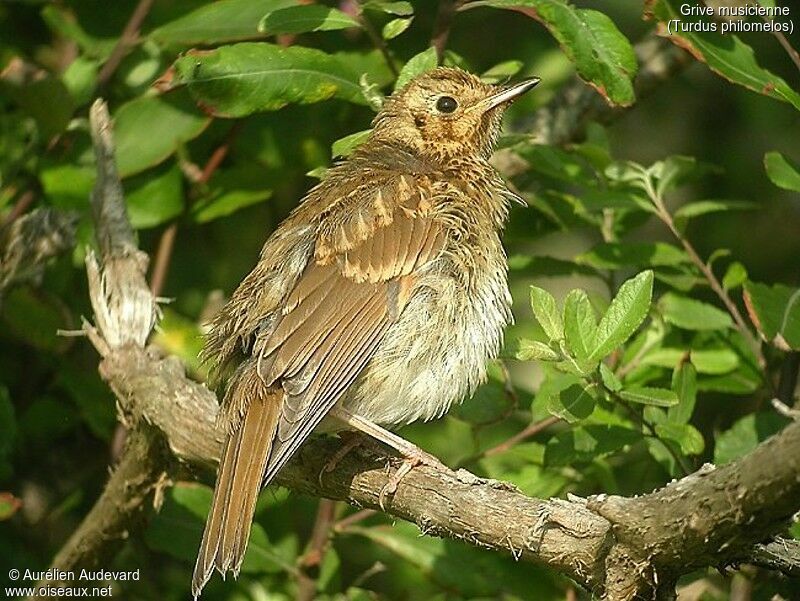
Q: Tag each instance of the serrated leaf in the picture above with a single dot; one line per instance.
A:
(686, 436)
(544, 308)
(658, 397)
(615, 255)
(775, 311)
(533, 350)
(725, 54)
(580, 325)
(345, 146)
(603, 56)
(625, 313)
(395, 27)
(684, 384)
(215, 22)
(782, 172)
(240, 79)
(422, 62)
(304, 18)
(690, 314)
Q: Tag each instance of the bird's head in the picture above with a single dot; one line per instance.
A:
(446, 113)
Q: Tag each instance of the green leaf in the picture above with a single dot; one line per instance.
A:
(725, 54)
(690, 314)
(544, 308)
(615, 255)
(684, 384)
(220, 21)
(502, 71)
(703, 207)
(686, 436)
(68, 186)
(658, 397)
(580, 325)
(521, 465)
(574, 403)
(148, 130)
(585, 444)
(782, 172)
(34, 318)
(707, 361)
(395, 27)
(490, 403)
(533, 350)
(154, 199)
(41, 95)
(603, 56)
(609, 378)
(230, 191)
(9, 504)
(345, 146)
(735, 276)
(304, 18)
(397, 8)
(746, 434)
(237, 80)
(422, 62)
(775, 311)
(625, 313)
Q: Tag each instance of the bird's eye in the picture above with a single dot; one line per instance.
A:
(446, 104)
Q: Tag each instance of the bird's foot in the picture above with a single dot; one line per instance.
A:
(413, 457)
(350, 441)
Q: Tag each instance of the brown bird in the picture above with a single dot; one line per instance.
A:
(377, 302)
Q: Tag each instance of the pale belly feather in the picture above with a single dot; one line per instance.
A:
(436, 353)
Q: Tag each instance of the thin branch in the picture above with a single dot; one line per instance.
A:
(441, 27)
(787, 46)
(529, 432)
(708, 273)
(317, 547)
(163, 257)
(166, 243)
(377, 40)
(127, 40)
(564, 118)
(24, 201)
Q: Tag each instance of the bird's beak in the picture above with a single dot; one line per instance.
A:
(507, 94)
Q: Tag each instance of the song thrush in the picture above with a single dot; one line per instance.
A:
(377, 302)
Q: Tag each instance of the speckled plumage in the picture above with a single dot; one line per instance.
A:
(384, 292)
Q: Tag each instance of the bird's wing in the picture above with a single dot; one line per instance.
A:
(366, 256)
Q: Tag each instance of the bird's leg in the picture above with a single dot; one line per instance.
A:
(412, 454)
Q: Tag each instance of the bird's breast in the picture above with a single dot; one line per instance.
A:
(436, 353)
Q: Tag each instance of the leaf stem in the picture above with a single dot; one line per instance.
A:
(705, 269)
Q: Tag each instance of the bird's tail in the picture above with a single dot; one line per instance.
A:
(241, 469)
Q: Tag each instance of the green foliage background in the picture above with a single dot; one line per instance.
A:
(647, 387)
